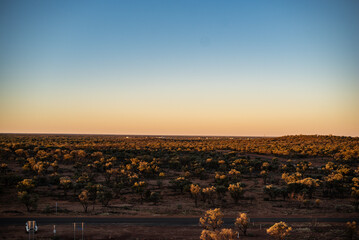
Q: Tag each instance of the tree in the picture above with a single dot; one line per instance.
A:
(55, 166)
(209, 193)
(271, 191)
(29, 199)
(234, 175)
(104, 195)
(27, 185)
(303, 166)
(212, 220)
(221, 179)
(81, 182)
(140, 188)
(265, 166)
(334, 184)
(180, 183)
(279, 230)
(84, 200)
(351, 229)
(236, 191)
(195, 192)
(264, 175)
(296, 184)
(4, 168)
(211, 223)
(309, 184)
(93, 190)
(65, 184)
(242, 222)
(355, 193)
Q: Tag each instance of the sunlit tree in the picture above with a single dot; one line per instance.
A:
(212, 222)
(27, 185)
(236, 191)
(279, 230)
(65, 184)
(212, 219)
(84, 200)
(140, 187)
(242, 223)
(209, 194)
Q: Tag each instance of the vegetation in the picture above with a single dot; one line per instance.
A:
(242, 223)
(211, 222)
(352, 229)
(315, 174)
(279, 230)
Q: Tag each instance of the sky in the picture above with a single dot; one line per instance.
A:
(231, 68)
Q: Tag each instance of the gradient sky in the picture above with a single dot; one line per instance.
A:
(180, 67)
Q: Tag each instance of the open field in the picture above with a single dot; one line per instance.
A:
(146, 176)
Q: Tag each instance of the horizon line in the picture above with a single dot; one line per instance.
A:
(171, 135)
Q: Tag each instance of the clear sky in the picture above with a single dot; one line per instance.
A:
(180, 67)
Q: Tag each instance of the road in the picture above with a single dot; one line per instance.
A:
(158, 221)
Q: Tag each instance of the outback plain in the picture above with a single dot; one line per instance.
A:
(246, 178)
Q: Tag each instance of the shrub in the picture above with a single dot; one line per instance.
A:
(279, 230)
(271, 191)
(236, 191)
(180, 183)
(155, 197)
(224, 234)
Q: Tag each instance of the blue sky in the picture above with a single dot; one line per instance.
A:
(254, 63)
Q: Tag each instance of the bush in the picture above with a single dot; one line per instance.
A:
(236, 191)
(279, 230)
(155, 197)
